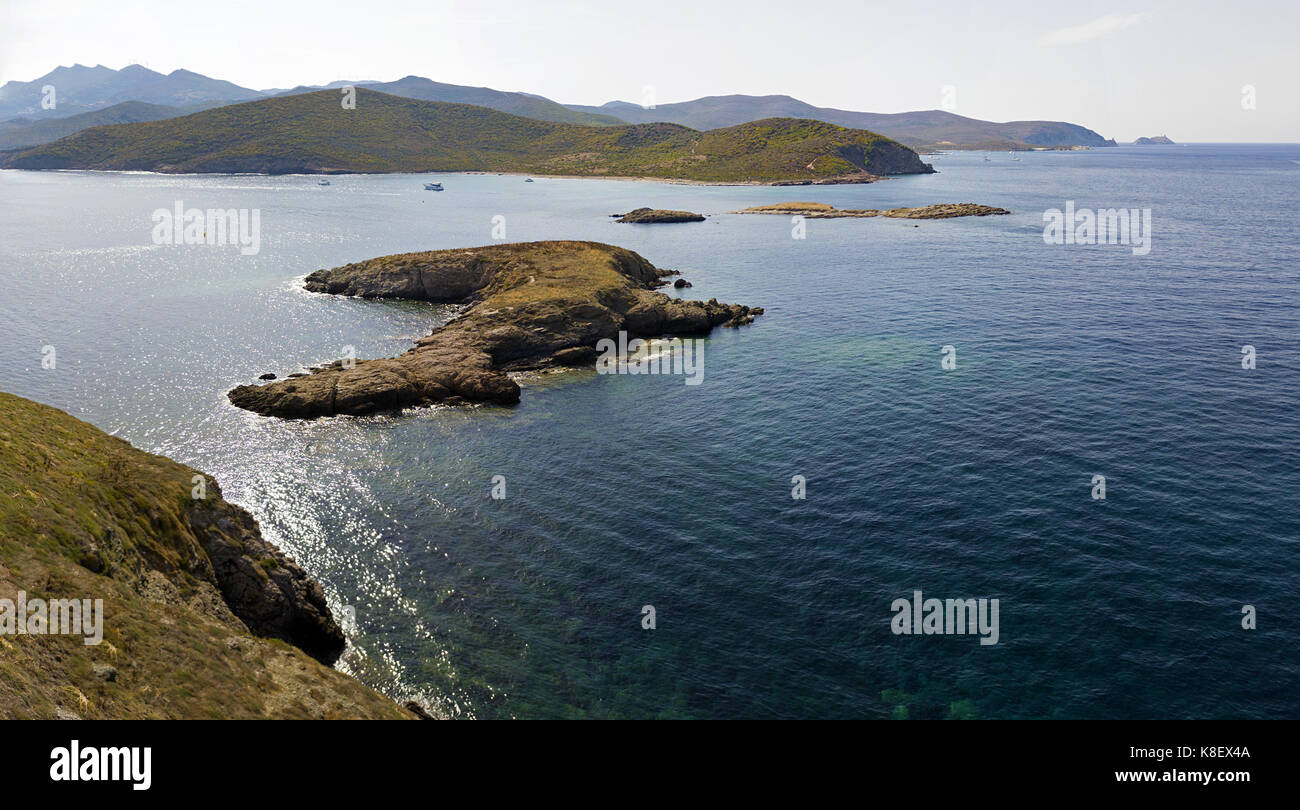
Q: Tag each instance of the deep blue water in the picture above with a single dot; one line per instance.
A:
(624, 491)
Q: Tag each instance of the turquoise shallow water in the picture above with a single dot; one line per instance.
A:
(625, 491)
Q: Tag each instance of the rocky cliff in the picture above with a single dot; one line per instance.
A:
(202, 617)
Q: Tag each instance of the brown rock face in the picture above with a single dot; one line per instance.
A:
(532, 305)
(266, 590)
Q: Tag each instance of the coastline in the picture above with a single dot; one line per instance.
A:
(847, 180)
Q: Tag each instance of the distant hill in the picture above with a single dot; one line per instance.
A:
(80, 89)
(1159, 140)
(525, 104)
(302, 88)
(931, 129)
(311, 133)
(26, 132)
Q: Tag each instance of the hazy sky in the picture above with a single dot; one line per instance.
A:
(1152, 67)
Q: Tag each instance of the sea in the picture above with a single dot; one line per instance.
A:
(1105, 439)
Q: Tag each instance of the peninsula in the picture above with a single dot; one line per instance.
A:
(530, 305)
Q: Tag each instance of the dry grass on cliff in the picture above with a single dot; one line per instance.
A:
(73, 498)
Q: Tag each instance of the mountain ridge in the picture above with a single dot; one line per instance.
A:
(525, 104)
(80, 89)
(84, 89)
(921, 129)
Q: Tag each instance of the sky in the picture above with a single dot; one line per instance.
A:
(1176, 67)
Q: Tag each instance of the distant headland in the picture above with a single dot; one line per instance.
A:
(311, 133)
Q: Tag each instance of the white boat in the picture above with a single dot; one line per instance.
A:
(433, 186)
(528, 179)
(324, 182)
(1013, 155)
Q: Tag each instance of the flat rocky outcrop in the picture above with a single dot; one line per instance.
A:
(530, 305)
(642, 216)
(824, 211)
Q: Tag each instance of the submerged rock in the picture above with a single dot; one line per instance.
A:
(530, 305)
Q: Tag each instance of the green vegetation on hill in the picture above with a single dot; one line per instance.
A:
(197, 607)
(529, 106)
(312, 133)
(23, 133)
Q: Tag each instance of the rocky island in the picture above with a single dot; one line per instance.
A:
(1159, 140)
(201, 616)
(643, 216)
(530, 305)
(823, 211)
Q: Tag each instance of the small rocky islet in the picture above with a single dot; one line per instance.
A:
(529, 305)
(648, 216)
